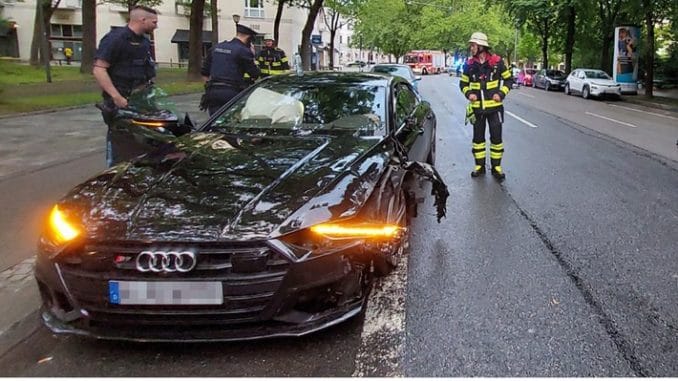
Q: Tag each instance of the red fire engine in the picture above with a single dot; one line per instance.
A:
(426, 61)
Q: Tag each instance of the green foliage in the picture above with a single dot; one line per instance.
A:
(131, 3)
(385, 25)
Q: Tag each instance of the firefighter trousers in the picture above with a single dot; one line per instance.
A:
(494, 120)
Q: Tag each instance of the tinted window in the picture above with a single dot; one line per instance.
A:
(406, 101)
(275, 108)
(400, 71)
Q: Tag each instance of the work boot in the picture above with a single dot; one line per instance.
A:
(498, 173)
(478, 170)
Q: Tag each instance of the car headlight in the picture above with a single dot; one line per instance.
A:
(357, 230)
(61, 229)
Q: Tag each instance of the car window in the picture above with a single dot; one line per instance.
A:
(401, 71)
(597, 74)
(406, 101)
(318, 108)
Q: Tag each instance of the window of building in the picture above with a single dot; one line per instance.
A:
(254, 8)
(341, 39)
(65, 30)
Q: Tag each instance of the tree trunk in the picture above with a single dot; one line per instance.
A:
(649, 52)
(35, 42)
(278, 16)
(545, 45)
(306, 33)
(214, 12)
(195, 40)
(89, 35)
(605, 59)
(333, 34)
(569, 38)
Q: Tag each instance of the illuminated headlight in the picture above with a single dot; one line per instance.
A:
(61, 229)
(357, 231)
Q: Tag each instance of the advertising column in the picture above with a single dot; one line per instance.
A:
(625, 61)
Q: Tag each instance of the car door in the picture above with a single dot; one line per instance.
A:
(414, 121)
(573, 81)
(539, 78)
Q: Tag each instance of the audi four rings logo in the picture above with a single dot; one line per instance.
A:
(167, 261)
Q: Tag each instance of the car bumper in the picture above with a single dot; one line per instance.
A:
(292, 299)
(602, 91)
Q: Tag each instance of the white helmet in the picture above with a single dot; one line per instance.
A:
(479, 38)
(269, 36)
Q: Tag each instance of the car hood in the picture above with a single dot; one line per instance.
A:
(209, 186)
(603, 82)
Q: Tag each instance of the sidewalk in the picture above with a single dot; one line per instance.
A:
(666, 99)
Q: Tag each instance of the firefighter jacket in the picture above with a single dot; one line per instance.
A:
(484, 80)
(272, 61)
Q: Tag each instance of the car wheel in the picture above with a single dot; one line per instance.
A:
(547, 86)
(567, 89)
(385, 263)
(431, 158)
(424, 72)
(585, 92)
(534, 84)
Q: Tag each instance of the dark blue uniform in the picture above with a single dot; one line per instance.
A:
(131, 66)
(226, 65)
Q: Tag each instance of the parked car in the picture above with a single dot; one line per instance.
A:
(270, 220)
(403, 71)
(525, 77)
(591, 82)
(356, 66)
(549, 79)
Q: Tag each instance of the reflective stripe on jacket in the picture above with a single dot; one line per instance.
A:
(272, 61)
(484, 80)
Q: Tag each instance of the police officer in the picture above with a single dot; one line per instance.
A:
(122, 63)
(225, 67)
(271, 59)
(485, 81)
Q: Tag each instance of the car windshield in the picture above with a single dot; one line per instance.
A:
(596, 74)
(394, 70)
(555, 74)
(274, 108)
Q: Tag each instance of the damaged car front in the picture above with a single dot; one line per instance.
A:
(270, 221)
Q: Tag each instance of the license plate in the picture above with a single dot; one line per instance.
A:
(165, 293)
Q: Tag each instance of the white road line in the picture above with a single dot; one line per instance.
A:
(382, 341)
(646, 112)
(525, 95)
(611, 120)
(521, 119)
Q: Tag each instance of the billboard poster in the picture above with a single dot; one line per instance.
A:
(625, 59)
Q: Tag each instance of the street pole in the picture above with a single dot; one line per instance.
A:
(515, 49)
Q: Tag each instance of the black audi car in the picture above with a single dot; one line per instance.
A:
(269, 220)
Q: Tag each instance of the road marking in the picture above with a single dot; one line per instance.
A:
(382, 341)
(521, 119)
(525, 95)
(611, 120)
(646, 112)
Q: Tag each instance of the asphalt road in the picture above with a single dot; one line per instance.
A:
(568, 268)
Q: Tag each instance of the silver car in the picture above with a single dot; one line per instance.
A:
(403, 71)
(591, 82)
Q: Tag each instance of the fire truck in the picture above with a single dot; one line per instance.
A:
(426, 61)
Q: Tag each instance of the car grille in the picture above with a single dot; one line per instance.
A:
(246, 295)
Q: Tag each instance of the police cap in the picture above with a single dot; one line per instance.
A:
(245, 30)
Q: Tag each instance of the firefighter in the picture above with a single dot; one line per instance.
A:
(225, 67)
(485, 82)
(271, 59)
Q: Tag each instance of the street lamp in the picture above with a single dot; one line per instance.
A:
(236, 19)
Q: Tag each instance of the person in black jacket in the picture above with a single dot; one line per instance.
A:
(123, 62)
(225, 67)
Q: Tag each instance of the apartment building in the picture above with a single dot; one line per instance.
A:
(171, 38)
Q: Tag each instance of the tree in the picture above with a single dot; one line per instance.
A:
(314, 9)
(46, 9)
(129, 4)
(89, 35)
(334, 15)
(654, 13)
(214, 13)
(540, 17)
(385, 25)
(195, 40)
(608, 10)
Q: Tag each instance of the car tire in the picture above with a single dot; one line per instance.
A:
(534, 84)
(431, 158)
(567, 89)
(585, 92)
(424, 72)
(547, 86)
(384, 264)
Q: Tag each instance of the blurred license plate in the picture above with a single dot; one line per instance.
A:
(165, 293)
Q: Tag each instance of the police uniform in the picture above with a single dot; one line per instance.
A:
(272, 61)
(226, 65)
(131, 66)
(129, 56)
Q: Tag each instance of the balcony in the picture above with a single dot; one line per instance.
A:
(70, 4)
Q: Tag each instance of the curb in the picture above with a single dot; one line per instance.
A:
(651, 104)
